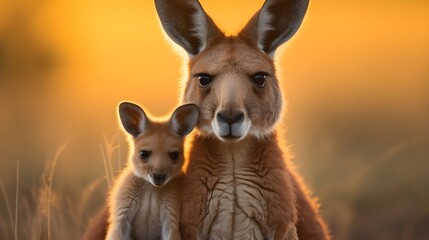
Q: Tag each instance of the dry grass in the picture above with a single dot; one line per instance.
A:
(355, 200)
(43, 212)
(107, 150)
(16, 202)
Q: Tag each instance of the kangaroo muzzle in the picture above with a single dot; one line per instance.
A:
(158, 178)
(231, 125)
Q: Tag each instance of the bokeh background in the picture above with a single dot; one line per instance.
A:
(356, 79)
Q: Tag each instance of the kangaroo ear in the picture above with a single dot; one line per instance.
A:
(186, 23)
(184, 119)
(133, 118)
(275, 23)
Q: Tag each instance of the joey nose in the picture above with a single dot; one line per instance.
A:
(159, 178)
(230, 117)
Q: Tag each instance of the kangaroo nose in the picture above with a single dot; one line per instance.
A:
(230, 117)
(159, 178)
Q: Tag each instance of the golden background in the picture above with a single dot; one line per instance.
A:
(355, 77)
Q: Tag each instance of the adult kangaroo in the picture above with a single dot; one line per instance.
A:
(238, 185)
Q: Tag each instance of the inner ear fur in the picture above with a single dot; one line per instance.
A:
(133, 118)
(184, 119)
(187, 24)
(275, 23)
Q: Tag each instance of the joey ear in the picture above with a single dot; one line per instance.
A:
(133, 118)
(184, 119)
(275, 23)
(186, 23)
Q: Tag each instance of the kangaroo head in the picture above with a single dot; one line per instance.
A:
(157, 146)
(232, 78)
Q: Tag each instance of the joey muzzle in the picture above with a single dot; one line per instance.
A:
(159, 178)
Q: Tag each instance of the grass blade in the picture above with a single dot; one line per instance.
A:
(16, 201)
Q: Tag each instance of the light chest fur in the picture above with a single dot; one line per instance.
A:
(143, 211)
(238, 193)
(147, 223)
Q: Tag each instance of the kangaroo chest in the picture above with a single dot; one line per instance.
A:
(147, 222)
(237, 199)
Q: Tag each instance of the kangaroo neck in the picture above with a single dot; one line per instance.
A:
(248, 150)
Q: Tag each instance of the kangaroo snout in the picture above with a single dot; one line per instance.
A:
(231, 125)
(230, 117)
(159, 178)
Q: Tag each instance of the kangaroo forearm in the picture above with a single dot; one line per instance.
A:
(98, 225)
(310, 224)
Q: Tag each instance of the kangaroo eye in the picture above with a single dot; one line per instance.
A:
(259, 79)
(204, 79)
(174, 156)
(144, 155)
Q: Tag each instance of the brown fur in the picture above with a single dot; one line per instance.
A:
(261, 202)
(237, 175)
(145, 200)
(310, 224)
(97, 227)
(282, 200)
(232, 60)
(239, 187)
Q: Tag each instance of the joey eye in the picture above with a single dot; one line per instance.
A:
(259, 79)
(174, 156)
(204, 79)
(144, 155)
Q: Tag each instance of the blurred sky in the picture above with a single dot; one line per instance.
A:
(356, 80)
(113, 50)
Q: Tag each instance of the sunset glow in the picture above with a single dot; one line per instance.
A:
(355, 79)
